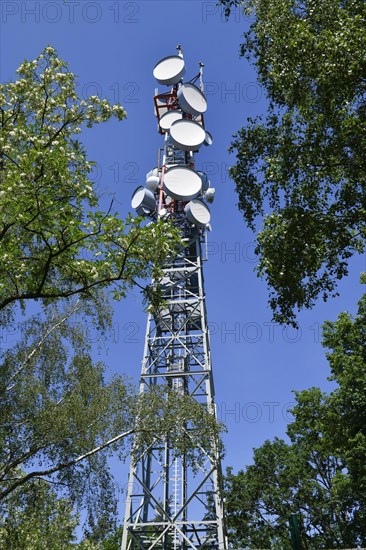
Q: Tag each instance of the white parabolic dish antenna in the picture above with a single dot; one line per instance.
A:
(152, 182)
(143, 201)
(169, 70)
(168, 118)
(182, 183)
(197, 212)
(187, 134)
(208, 139)
(191, 100)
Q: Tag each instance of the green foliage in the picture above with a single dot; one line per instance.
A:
(190, 427)
(57, 408)
(113, 542)
(54, 240)
(35, 519)
(346, 338)
(320, 474)
(302, 167)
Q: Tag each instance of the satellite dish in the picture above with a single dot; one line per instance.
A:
(182, 183)
(152, 183)
(169, 70)
(168, 118)
(210, 194)
(208, 139)
(143, 201)
(153, 172)
(197, 212)
(153, 179)
(191, 100)
(205, 180)
(187, 134)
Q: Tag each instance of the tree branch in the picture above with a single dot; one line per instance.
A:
(73, 310)
(64, 465)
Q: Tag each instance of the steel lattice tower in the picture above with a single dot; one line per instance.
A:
(168, 505)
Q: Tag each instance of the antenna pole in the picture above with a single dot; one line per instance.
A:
(201, 77)
(173, 503)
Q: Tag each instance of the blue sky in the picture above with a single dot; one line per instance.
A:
(113, 46)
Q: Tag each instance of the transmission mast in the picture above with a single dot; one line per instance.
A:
(169, 504)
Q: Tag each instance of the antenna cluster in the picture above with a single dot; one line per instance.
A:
(174, 500)
(175, 189)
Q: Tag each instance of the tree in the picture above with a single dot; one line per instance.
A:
(113, 542)
(60, 415)
(54, 241)
(320, 474)
(346, 338)
(302, 167)
(38, 519)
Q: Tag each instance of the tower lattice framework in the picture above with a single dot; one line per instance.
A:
(171, 505)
